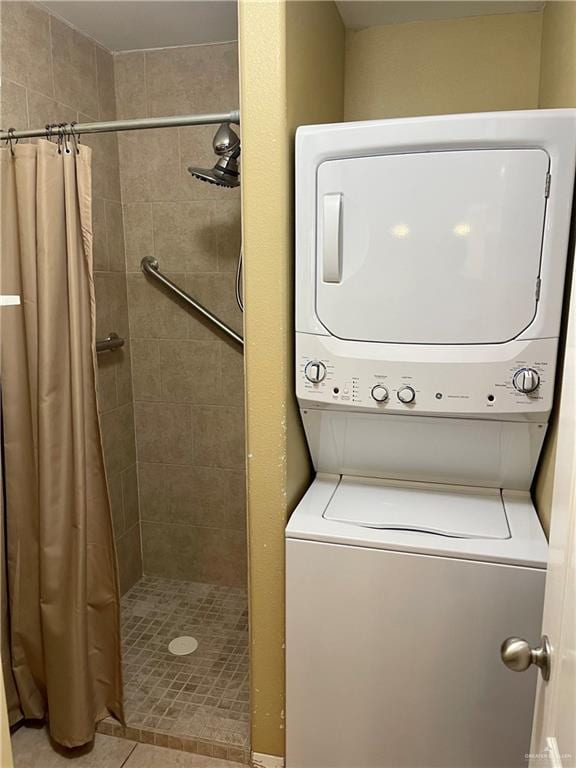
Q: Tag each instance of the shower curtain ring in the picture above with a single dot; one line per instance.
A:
(75, 137)
(50, 130)
(11, 141)
(65, 137)
(60, 137)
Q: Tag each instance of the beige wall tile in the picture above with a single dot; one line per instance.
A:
(163, 432)
(129, 552)
(26, 53)
(190, 371)
(123, 368)
(138, 234)
(118, 438)
(146, 369)
(107, 398)
(218, 436)
(115, 236)
(105, 83)
(150, 162)
(100, 245)
(154, 313)
(42, 109)
(216, 291)
(116, 503)
(74, 62)
(105, 165)
(210, 555)
(184, 237)
(13, 107)
(200, 78)
(111, 305)
(232, 374)
(129, 479)
(193, 230)
(130, 85)
(228, 231)
(201, 496)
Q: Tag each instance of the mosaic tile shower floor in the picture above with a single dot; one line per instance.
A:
(194, 701)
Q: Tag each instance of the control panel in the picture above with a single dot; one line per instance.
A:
(517, 383)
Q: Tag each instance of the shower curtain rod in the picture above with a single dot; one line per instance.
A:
(138, 124)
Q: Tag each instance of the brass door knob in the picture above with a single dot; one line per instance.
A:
(517, 654)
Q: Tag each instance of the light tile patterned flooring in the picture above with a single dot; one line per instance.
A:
(32, 748)
(203, 695)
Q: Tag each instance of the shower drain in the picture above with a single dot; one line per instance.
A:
(182, 646)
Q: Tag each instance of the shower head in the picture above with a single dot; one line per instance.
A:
(225, 172)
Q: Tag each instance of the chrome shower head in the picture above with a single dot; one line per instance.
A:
(225, 172)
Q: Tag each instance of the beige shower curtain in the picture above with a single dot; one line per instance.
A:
(60, 630)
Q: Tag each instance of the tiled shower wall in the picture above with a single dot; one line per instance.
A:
(188, 382)
(52, 73)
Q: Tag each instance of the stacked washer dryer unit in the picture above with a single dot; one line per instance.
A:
(430, 263)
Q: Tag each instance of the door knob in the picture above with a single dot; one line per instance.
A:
(518, 655)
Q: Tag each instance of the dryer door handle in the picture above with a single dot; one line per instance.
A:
(331, 255)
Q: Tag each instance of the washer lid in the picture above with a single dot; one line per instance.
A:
(444, 510)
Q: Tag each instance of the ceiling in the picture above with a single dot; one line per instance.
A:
(370, 13)
(124, 25)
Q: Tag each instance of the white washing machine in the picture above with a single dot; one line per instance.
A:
(430, 261)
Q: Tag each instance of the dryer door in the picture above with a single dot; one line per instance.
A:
(430, 247)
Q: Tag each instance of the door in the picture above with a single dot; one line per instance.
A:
(554, 730)
(430, 247)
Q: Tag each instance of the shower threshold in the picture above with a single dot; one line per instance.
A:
(197, 702)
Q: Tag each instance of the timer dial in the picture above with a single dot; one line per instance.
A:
(315, 371)
(526, 380)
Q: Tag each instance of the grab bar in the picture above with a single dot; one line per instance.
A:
(151, 267)
(110, 343)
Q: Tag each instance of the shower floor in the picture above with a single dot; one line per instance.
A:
(198, 702)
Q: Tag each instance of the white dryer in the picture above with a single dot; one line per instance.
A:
(430, 261)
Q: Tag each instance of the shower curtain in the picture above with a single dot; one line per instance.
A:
(61, 648)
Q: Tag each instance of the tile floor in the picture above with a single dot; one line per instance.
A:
(198, 702)
(32, 749)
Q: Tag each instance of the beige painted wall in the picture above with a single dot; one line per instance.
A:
(459, 65)
(291, 72)
(557, 89)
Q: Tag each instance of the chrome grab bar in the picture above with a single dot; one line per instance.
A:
(151, 267)
(110, 343)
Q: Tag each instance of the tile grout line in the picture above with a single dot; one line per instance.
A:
(129, 755)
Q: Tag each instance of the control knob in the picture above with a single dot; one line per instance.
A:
(315, 371)
(379, 393)
(526, 380)
(406, 395)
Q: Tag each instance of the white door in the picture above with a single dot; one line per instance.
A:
(554, 730)
(430, 247)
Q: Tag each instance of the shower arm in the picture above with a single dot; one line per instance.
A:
(151, 268)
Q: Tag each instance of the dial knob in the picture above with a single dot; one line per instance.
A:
(379, 393)
(406, 395)
(526, 380)
(315, 371)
